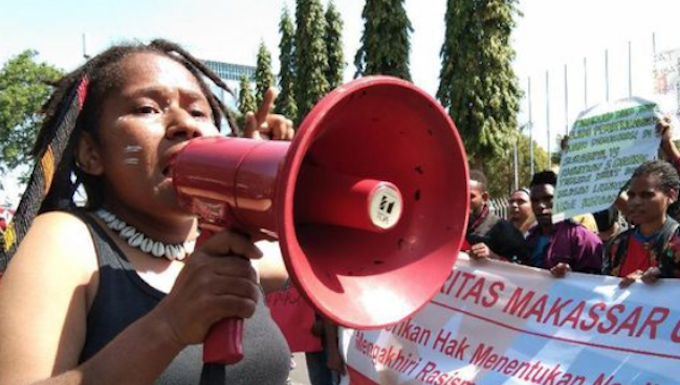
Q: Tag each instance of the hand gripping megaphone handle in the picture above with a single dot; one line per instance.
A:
(224, 342)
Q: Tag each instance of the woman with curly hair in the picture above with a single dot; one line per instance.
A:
(651, 249)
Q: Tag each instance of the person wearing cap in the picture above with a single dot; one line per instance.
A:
(608, 224)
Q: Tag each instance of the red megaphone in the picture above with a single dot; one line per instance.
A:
(369, 202)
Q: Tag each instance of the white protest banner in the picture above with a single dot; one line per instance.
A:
(496, 323)
(606, 144)
(667, 80)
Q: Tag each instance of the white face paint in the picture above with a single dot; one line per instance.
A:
(130, 155)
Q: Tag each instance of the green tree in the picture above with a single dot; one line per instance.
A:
(561, 144)
(310, 53)
(246, 99)
(285, 102)
(477, 82)
(263, 73)
(23, 90)
(500, 170)
(385, 44)
(336, 58)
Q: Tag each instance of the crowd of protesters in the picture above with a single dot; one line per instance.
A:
(636, 238)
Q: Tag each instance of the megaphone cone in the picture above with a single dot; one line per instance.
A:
(381, 129)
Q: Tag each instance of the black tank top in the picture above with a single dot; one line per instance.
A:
(123, 297)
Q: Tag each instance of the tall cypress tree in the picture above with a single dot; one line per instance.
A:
(385, 44)
(263, 73)
(336, 58)
(285, 103)
(310, 54)
(477, 82)
(246, 100)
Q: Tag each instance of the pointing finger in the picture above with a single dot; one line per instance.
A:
(267, 106)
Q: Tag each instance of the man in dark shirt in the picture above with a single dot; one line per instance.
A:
(488, 235)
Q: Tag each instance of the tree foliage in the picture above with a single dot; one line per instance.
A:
(336, 58)
(310, 54)
(477, 82)
(23, 90)
(285, 102)
(246, 99)
(499, 170)
(385, 42)
(264, 78)
(561, 144)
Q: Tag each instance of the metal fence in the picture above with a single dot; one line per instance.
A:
(499, 206)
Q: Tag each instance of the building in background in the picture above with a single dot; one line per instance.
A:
(231, 74)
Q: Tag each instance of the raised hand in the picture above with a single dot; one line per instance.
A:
(263, 124)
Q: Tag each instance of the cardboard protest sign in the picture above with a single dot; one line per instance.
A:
(295, 319)
(495, 323)
(290, 310)
(606, 144)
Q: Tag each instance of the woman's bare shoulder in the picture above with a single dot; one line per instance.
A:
(44, 299)
(58, 240)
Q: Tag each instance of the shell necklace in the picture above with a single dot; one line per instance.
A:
(136, 238)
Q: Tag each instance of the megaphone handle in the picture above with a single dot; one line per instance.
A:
(224, 342)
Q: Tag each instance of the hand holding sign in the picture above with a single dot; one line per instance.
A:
(605, 145)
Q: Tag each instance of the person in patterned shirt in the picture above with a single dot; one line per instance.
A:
(651, 249)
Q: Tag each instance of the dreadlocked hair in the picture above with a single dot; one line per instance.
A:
(73, 109)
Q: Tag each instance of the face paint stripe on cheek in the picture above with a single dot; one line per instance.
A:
(130, 158)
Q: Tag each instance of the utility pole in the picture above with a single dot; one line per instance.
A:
(606, 73)
(547, 115)
(630, 70)
(86, 56)
(531, 132)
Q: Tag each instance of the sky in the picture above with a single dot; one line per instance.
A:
(551, 37)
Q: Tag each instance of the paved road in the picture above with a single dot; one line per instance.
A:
(298, 376)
